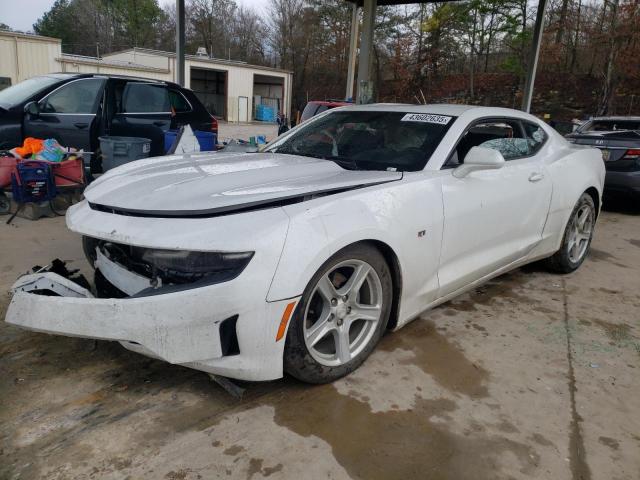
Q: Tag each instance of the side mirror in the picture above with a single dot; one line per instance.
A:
(479, 158)
(32, 108)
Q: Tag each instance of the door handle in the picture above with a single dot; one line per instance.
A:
(159, 124)
(81, 125)
(536, 177)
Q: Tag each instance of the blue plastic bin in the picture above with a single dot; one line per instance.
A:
(207, 140)
(265, 113)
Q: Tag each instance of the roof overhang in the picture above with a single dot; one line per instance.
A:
(398, 2)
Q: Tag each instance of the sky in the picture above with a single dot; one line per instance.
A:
(22, 14)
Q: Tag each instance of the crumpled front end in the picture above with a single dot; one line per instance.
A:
(218, 322)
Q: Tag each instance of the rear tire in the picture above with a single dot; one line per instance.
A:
(577, 237)
(341, 316)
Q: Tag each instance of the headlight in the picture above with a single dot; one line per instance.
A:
(176, 266)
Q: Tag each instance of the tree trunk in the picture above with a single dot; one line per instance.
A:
(563, 19)
(489, 40)
(608, 86)
(596, 49)
(472, 58)
(574, 50)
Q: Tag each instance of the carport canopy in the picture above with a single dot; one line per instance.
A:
(365, 83)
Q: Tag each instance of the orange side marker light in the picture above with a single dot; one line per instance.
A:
(286, 316)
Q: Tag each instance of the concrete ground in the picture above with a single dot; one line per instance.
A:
(532, 376)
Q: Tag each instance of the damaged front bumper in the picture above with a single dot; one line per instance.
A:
(210, 328)
(227, 328)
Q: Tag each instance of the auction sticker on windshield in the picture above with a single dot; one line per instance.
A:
(426, 118)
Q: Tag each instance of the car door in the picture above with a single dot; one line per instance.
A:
(68, 114)
(493, 217)
(144, 111)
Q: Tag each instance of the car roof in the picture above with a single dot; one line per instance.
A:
(439, 109)
(331, 103)
(470, 112)
(63, 75)
(616, 118)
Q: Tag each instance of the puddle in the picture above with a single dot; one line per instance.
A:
(437, 357)
(501, 289)
(396, 444)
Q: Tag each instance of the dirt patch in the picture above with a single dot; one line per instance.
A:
(177, 475)
(634, 242)
(612, 443)
(397, 444)
(616, 332)
(436, 356)
(541, 440)
(602, 256)
(125, 388)
(234, 450)
(255, 467)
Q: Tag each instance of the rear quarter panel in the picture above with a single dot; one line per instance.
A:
(573, 170)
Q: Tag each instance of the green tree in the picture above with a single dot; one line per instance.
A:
(58, 22)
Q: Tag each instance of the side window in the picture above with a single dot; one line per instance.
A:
(179, 104)
(535, 136)
(145, 98)
(504, 135)
(79, 96)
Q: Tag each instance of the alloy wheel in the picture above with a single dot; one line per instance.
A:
(343, 313)
(580, 233)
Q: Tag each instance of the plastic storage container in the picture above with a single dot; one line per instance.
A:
(265, 113)
(206, 140)
(117, 151)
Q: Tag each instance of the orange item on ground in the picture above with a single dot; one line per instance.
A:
(30, 146)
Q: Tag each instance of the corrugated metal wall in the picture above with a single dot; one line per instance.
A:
(24, 56)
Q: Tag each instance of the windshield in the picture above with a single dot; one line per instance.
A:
(368, 140)
(22, 91)
(610, 125)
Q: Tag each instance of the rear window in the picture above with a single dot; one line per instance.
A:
(610, 125)
(145, 98)
(178, 102)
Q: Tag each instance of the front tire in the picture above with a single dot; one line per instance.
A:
(341, 316)
(577, 237)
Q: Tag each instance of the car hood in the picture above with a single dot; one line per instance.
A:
(216, 182)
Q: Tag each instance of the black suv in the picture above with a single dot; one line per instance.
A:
(76, 109)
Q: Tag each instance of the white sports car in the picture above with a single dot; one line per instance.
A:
(299, 258)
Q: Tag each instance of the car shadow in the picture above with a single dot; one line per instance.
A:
(625, 204)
